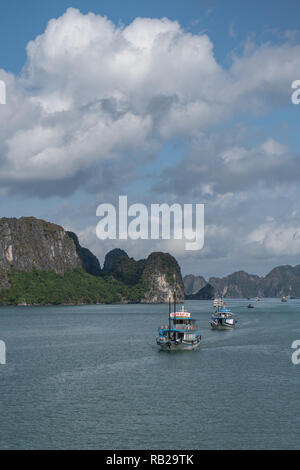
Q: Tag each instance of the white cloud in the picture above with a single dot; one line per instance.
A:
(95, 100)
(276, 239)
(220, 165)
(91, 91)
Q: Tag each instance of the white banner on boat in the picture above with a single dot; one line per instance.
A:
(180, 314)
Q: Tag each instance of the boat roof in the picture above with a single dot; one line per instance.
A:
(181, 313)
(178, 317)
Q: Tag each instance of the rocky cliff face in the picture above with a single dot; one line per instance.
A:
(112, 257)
(159, 274)
(121, 267)
(89, 262)
(29, 243)
(282, 280)
(239, 284)
(192, 284)
(205, 293)
(162, 276)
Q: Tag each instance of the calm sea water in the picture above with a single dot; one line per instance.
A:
(91, 377)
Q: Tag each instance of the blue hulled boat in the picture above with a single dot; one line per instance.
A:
(222, 318)
(181, 333)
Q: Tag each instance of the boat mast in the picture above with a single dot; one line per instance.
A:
(174, 307)
(169, 332)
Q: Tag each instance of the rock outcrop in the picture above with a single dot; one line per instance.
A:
(112, 257)
(206, 293)
(28, 244)
(159, 274)
(282, 280)
(193, 284)
(162, 276)
(239, 284)
(121, 267)
(89, 262)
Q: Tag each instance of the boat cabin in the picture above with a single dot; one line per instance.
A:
(182, 326)
(181, 331)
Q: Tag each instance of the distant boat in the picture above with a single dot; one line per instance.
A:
(222, 318)
(257, 299)
(181, 333)
(283, 299)
(250, 306)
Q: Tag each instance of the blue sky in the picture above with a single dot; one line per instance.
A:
(21, 21)
(195, 108)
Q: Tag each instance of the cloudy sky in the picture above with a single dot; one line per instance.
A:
(164, 101)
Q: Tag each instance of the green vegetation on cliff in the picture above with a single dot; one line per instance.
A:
(72, 287)
(160, 274)
(41, 263)
(127, 270)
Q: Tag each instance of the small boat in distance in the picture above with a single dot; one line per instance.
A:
(250, 306)
(222, 318)
(283, 298)
(181, 333)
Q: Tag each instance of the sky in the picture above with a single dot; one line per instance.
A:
(162, 101)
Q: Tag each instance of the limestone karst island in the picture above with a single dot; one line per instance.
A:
(41, 264)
